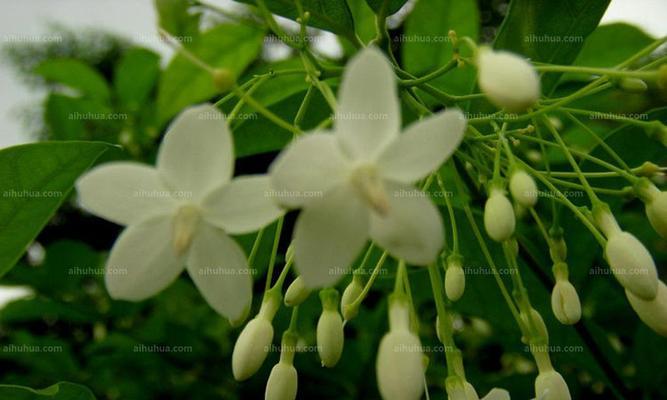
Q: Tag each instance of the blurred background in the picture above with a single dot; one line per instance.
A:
(102, 57)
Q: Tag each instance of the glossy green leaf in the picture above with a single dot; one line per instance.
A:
(330, 15)
(135, 76)
(175, 17)
(75, 75)
(392, 6)
(35, 179)
(226, 46)
(59, 391)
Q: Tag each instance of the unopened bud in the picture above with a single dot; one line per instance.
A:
(282, 383)
(565, 302)
(550, 385)
(507, 80)
(223, 79)
(499, 219)
(557, 249)
(251, 348)
(350, 294)
(534, 320)
(652, 312)
(656, 211)
(455, 281)
(330, 336)
(632, 85)
(296, 293)
(523, 189)
(632, 265)
(460, 389)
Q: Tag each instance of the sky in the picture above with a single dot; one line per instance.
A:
(136, 20)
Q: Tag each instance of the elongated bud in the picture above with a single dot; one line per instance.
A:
(399, 365)
(523, 188)
(459, 389)
(632, 265)
(656, 211)
(632, 85)
(652, 312)
(550, 385)
(350, 294)
(330, 337)
(557, 249)
(534, 320)
(507, 80)
(282, 383)
(565, 302)
(296, 293)
(253, 344)
(455, 278)
(499, 219)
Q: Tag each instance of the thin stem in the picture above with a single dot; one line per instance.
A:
(274, 252)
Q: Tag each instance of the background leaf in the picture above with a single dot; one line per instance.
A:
(394, 5)
(59, 391)
(76, 75)
(135, 76)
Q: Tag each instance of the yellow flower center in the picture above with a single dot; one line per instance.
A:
(370, 187)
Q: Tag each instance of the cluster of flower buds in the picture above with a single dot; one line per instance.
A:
(330, 335)
(400, 366)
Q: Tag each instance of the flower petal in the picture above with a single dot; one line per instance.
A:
(369, 114)
(423, 147)
(124, 192)
(197, 153)
(328, 236)
(306, 169)
(241, 206)
(142, 261)
(220, 271)
(412, 229)
(497, 394)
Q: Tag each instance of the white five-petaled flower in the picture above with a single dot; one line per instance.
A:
(179, 213)
(357, 182)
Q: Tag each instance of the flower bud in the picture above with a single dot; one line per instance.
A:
(296, 293)
(497, 394)
(550, 385)
(350, 294)
(632, 265)
(330, 337)
(652, 312)
(557, 249)
(499, 218)
(223, 79)
(535, 320)
(565, 302)
(455, 278)
(459, 389)
(656, 211)
(632, 85)
(251, 347)
(282, 383)
(399, 365)
(523, 189)
(507, 80)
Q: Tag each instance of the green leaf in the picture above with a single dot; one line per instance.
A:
(226, 46)
(76, 75)
(331, 15)
(59, 391)
(626, 40)
(35, 179)
(393, 6)
(549, 31)
(135, 76)
(426, 43)
(174, 17)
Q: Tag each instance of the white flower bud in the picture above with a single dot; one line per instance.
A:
(458, 389)
(656, 211)
(251, 347)
(497, 394)
(507, 80)
(652, 312)
(535, 319)
(282, 383)
(550, 385)
(499, 218)
(399, 365)
(350, 294)
(455, 279)
(296, 293)
(565, 302)
(330, 336)
(523, 189)
(632, 265)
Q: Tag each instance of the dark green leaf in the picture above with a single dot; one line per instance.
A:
(35, 179)
(135, 76)
(76, 75)
(392, 6)
(175, 18)
(59, 391)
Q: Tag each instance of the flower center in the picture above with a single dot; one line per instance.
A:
(370, 187)
(185, 223)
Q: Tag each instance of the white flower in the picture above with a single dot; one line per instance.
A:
(176, 213)
(282, 383)
(499, 219)
(356, 182)
(523, 188)
(652, 312)
(550, 385)
(508, 80)
(656, 211)
(565, 302)
(399, 365)
(632, 264)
